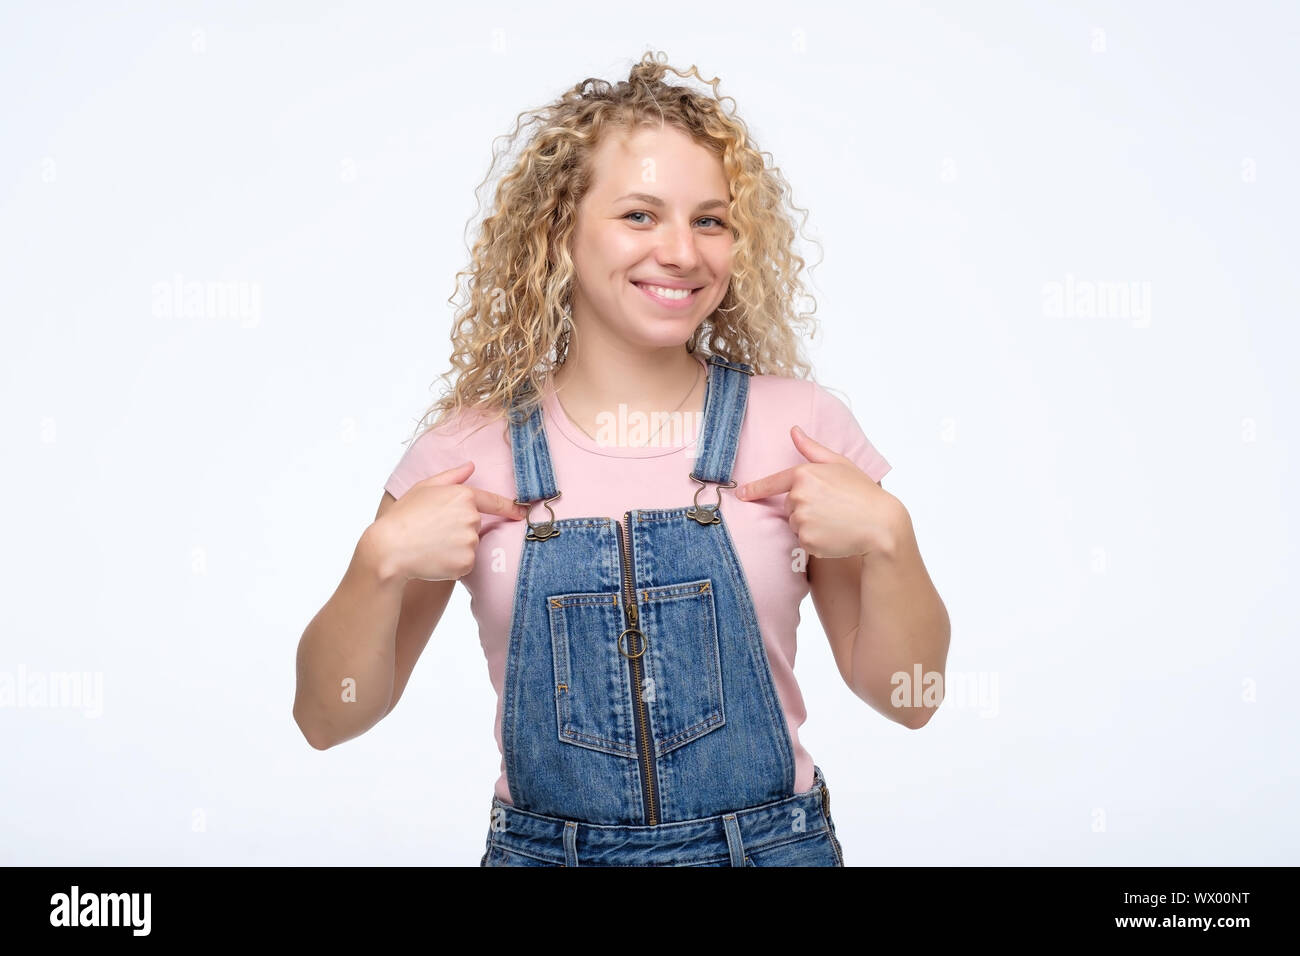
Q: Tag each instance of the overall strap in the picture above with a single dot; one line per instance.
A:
(534, 476)
(726, 394)
(724, 412)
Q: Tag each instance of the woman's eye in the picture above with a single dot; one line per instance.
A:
(715, 219)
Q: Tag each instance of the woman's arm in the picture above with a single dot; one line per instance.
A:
(883, 617)
(357, 654)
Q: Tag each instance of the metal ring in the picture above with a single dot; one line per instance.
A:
(544, 529)
(643, 643)
(708, 514)
(718, 486)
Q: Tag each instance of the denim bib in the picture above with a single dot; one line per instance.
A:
(640, 721)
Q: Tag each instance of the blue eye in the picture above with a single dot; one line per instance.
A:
(720, 223)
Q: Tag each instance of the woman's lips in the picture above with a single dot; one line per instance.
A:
(684, 302)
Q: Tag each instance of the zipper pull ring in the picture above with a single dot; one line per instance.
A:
(632, 630)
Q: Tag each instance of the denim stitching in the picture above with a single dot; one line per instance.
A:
(666, 592)
(541, 859)
(774, 711)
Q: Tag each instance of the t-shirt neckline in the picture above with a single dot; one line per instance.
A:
(672, 439)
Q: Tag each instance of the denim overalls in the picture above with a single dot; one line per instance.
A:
(640, 721)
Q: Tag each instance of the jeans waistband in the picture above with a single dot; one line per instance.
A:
(564, 841)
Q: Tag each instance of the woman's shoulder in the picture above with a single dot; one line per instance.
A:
(804, 401)
(471, 434)
(458, 426)
(779, 402)
(783, 396)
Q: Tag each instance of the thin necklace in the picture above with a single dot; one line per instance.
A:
(699, 369)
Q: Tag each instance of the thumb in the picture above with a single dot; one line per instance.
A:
(814, 451)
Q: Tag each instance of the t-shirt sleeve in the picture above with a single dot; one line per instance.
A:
(833, 425)
(430, 453)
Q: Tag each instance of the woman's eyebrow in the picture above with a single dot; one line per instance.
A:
(656, 201)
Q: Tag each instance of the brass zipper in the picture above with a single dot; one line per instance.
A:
(649, 782)
(826, 812)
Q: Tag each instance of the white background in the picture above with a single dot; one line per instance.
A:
(1101, 500)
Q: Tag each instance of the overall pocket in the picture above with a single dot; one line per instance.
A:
(682, 666)
(681, 674)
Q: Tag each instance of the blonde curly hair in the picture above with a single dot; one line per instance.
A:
(513, 332)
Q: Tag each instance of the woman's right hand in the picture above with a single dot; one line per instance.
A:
(432, 531)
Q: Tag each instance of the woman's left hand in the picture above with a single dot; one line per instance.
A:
(834, 508)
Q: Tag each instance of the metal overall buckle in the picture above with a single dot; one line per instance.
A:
(708, 514)
(544, 529)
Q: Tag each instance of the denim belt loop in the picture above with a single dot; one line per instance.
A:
(570, 843)
(734, 843)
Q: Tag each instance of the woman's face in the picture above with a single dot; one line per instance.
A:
(655, 214)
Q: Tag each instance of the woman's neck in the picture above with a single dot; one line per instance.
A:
(663, 380)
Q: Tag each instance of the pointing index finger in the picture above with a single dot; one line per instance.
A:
(774, 484)
(491, 503)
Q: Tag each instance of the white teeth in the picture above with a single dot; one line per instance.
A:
(666, 293)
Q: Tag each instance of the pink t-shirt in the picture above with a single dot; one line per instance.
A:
(604, 478)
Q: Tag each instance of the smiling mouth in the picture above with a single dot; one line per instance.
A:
(670, 298)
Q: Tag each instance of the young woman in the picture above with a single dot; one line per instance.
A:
(627, 356)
